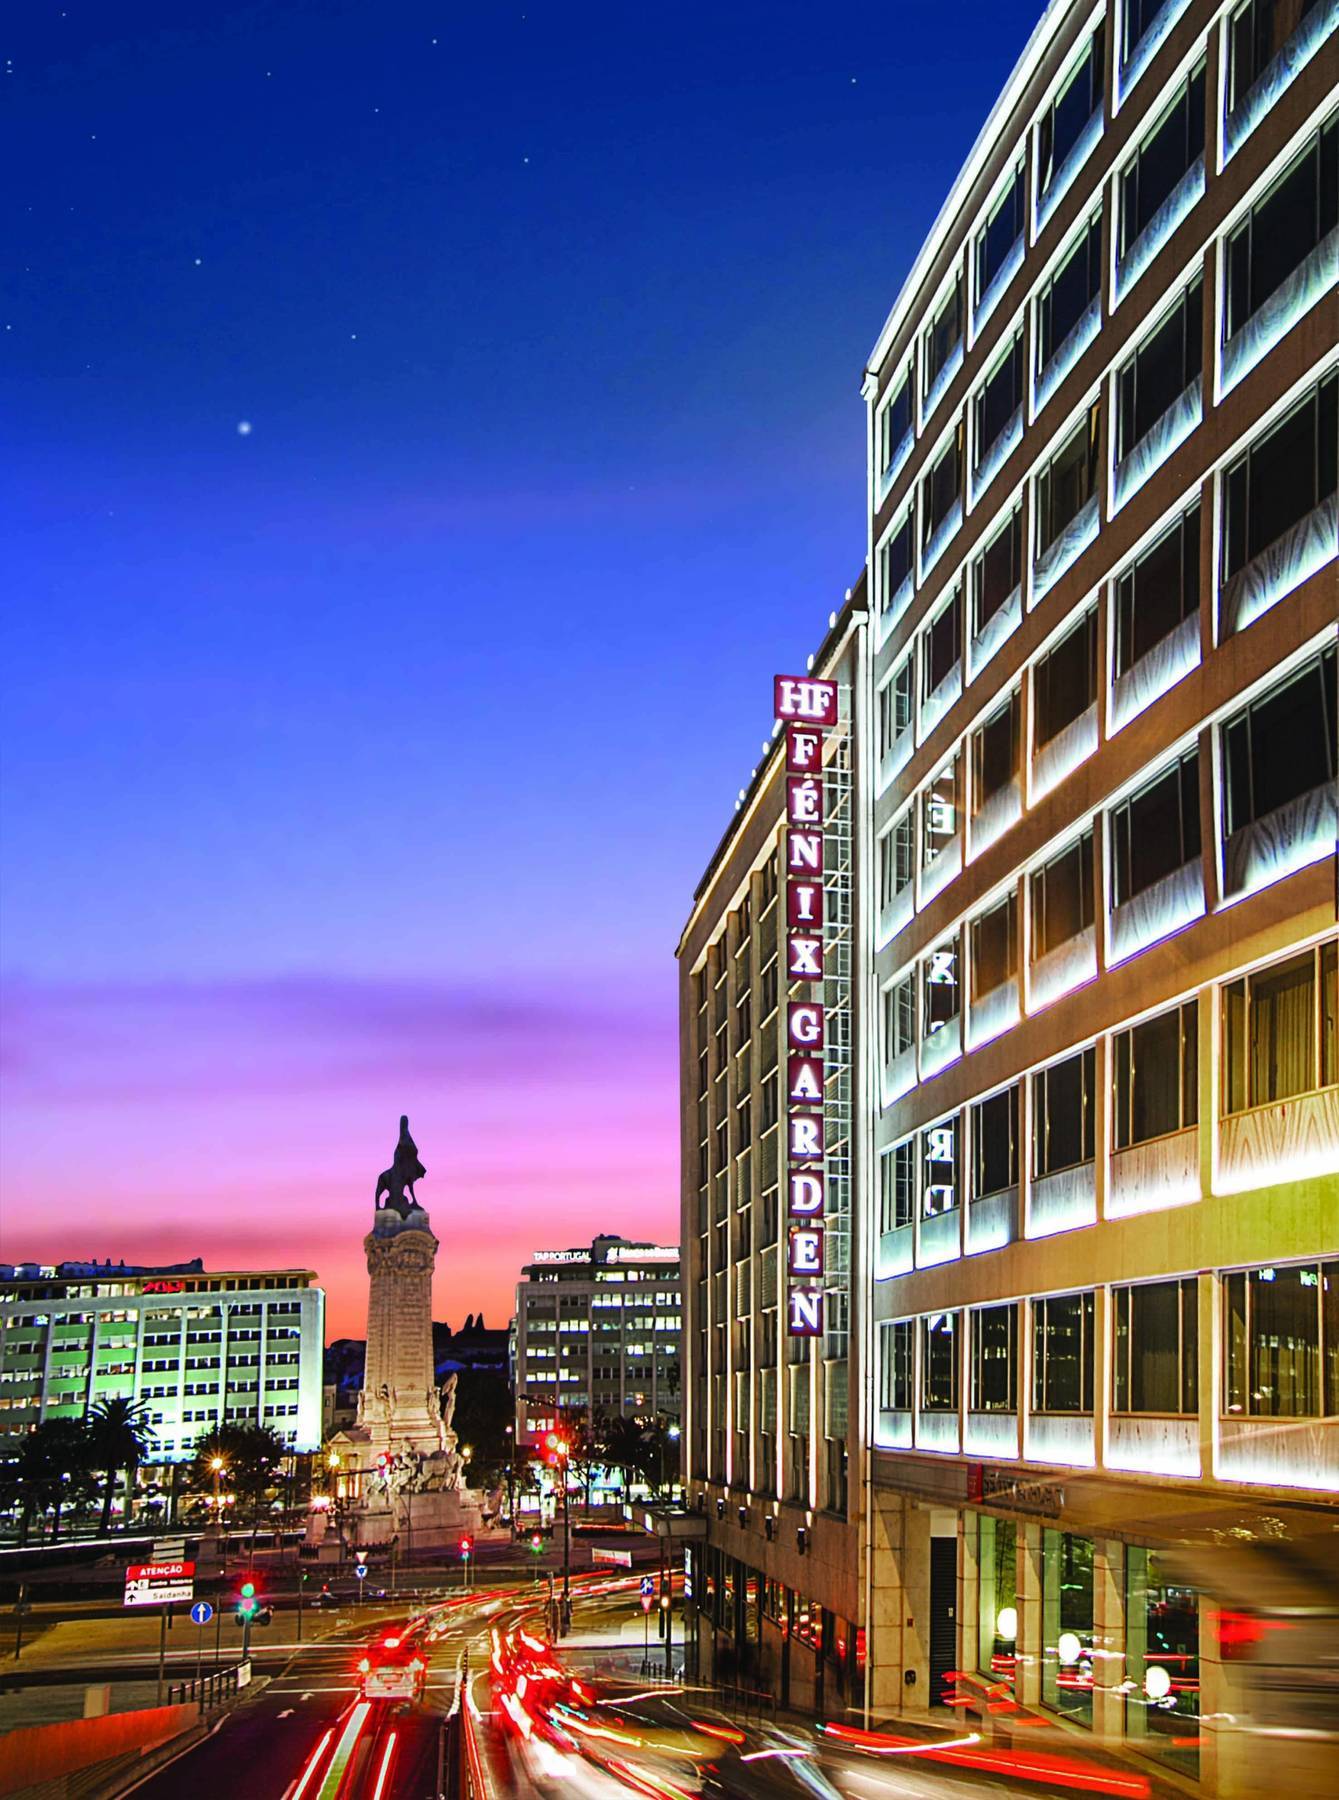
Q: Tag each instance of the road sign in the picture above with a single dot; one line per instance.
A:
(168, 1549)
(599, 1554)
(648, 1584)
(361, 1571)
(201, 1613)
(159, 1584)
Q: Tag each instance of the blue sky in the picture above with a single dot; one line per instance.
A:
(548, 324)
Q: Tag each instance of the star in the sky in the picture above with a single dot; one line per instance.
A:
(244, 428)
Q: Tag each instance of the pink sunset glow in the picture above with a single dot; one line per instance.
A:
(245, 1122)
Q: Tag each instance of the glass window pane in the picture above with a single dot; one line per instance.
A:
(1067, 1624)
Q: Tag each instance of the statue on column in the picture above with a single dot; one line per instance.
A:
(404, 1171)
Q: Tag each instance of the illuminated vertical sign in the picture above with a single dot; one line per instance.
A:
(808, 709)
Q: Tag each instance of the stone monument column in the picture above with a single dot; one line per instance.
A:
(399, 1406)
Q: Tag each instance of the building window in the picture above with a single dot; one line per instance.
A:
(994, 1359)
(1063, 1113)
(996, 748)
(995, 947)
(1136, 17)
(944, 335)
(1064, 682)
(1281, 1341)
(895, 559)
(997, 1632)
(899, 1018)
(1156, 1076)
(1069, 480)
(896, 698)
(939, 1363)
(1259, 31)
(1062, 1353)
(1282, 746)
(1282, 477)
(1075, 284)
(940, 812)
(1162, 1633)
(1174, 143)
(1161, 370)
(941, 1001)
(897, 1188)
(1281, 1028)
(1157, 830)
(997, 571)
(941, 490)
(999, 398)
(1066, 118)
(1155, 1365)
(1002, 230)
(895, 1366)
(1062, 897)
(939, 1164)
(894, 422)
(941, 646)
(995, 1143)
(1283, 227)
(1158, 591)
(897, 856)
(1067, 1624)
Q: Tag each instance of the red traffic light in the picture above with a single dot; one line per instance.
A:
(465, 1546)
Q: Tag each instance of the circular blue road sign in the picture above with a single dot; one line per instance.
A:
(361, 1571)
(201, 1613)
(648, 1584)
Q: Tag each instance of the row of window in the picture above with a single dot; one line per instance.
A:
(1280, 1350)
(1279, 1038)
(1269, 492)
(1173, 145)
(1277, 758)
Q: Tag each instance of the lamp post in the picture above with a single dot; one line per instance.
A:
(217, 1466)
(511, 1481)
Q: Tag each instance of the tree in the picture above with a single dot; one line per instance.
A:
(54, 1468)
(120, 1438)
(251, 1456)
(625, 1446)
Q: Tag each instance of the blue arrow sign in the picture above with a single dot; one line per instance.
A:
(648, 1584)
(201, 1613)
(361, 1571)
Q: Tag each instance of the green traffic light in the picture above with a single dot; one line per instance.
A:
(248, 1589)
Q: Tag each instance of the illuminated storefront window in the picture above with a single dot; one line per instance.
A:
(1067, 1624)
(1161, 1660)
(997, 1626)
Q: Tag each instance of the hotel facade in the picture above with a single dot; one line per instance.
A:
(1094, 1226)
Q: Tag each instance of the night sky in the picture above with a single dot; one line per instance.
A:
(424, 430)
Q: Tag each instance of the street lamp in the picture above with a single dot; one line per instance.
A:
(217, 1468)
(559, 1450)
(511, 1481)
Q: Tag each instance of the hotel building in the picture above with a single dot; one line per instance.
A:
(1095, 1254)
(198, 1349)
(597, 1331)
(772, 1451)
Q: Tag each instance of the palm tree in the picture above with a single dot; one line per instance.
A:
(625, 1446)
(122, 1438)
(251, 1456)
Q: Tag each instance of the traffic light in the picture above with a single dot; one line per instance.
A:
(247, 1603)
(537, 1543)
(555, 1449)
(465, 1547)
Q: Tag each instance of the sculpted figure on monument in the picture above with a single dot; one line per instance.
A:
(404, 1171)
(448, 1401)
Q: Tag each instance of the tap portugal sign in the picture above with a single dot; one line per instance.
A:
(808, 709)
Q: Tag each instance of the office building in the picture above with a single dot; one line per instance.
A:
(197, 1348)
(597, 1334)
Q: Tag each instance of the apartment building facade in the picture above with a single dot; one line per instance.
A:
(598, 1332)
(1094, 1139)
(197, 1348)
(1104, 1222)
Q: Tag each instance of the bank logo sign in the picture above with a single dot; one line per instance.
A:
(808, 710)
